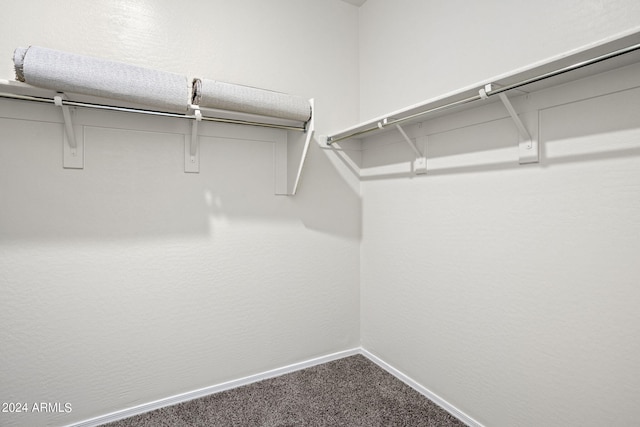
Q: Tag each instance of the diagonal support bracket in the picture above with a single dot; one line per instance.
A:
(311, 128)
(192, 145)
(527, 145)
(420, 163)
(73, 139)
(524, 133)
(290, 155)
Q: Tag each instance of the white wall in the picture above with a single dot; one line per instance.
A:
(131, 281)
(413, 50)
(510, 291)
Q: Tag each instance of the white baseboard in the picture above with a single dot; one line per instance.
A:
(183, 397)
(422, 390)
(179, 398)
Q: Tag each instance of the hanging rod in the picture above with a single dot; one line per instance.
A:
(379, 124)
(148, 112)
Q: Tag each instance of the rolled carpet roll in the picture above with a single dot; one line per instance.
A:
(18, 61)
(68, 72)
(228, 96)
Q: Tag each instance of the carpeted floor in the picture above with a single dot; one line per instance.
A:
(348, 392)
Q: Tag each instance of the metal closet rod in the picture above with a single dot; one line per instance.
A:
(386, 122)
(148, 112)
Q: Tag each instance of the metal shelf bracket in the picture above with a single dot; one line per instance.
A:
(191, 144)
(420, 163)
(527, 145)
(290, 155)
(307, 141)
(73, 139)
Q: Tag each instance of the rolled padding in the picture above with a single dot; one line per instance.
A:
(18, 61)
(68, 72)
(245, 99)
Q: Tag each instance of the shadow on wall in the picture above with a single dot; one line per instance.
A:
(595, 129)
(324, 202)
(134, 186)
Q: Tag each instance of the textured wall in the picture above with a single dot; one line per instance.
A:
(131, 281)
(412, 50)
(510, 291)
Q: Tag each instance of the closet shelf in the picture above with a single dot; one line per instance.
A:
(73, 145)
(593, 59)
(25, 92)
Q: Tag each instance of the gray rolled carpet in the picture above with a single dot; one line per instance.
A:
(68, 72)
(348, 392)
(228, 96)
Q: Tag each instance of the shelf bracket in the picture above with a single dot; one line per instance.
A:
(191, 144)
(524, 134)
(309, 135)
(290, 157)
(73, 139)
(527, 146)
(420, 163)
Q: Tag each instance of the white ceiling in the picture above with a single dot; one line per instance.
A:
(355, 2)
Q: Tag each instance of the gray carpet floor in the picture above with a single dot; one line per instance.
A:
(348, 392)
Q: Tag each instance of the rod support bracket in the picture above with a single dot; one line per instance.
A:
(191, 145)
(73, 140)
(420, 163)
(527, 145)
(483, 91)
(327, 141)
(290, 154)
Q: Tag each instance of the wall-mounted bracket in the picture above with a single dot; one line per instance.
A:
(524, 134)
(527, 145)
(191, 144)
(288, 172)
(420, 163)
(311, 128)
(73, 139)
